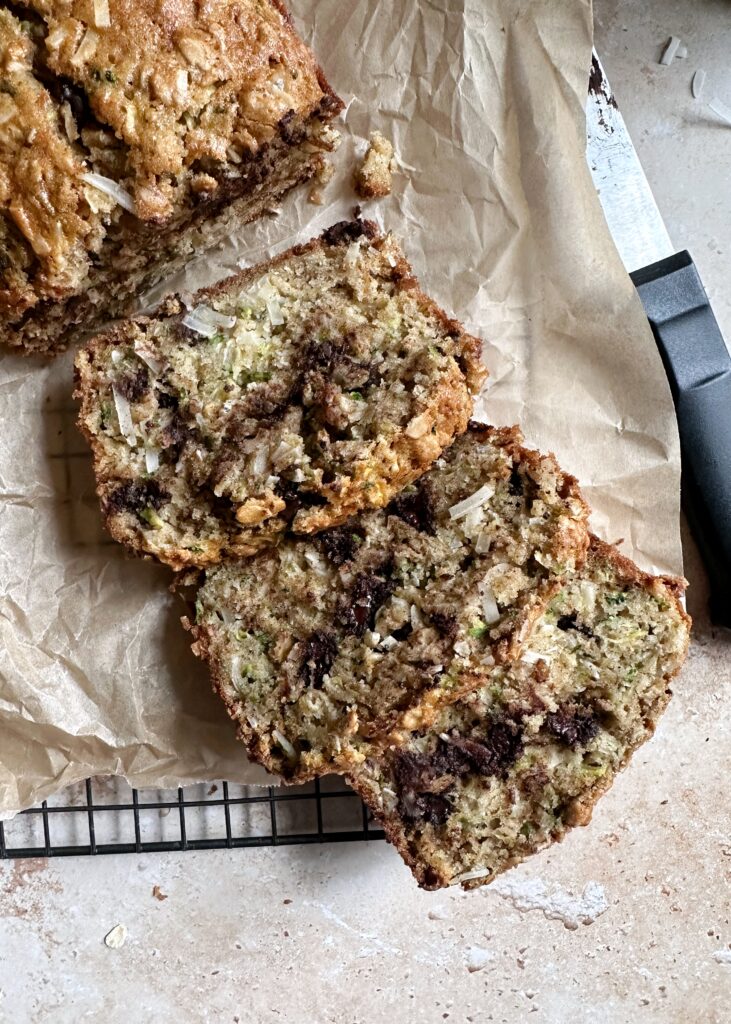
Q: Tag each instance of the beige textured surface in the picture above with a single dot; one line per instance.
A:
(361, 943)
(94, 675)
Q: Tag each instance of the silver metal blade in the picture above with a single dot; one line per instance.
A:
(637, 227)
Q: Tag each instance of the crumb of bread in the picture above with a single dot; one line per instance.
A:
(323, 177)
(373, 177)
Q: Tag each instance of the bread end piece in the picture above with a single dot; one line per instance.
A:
(512, 767)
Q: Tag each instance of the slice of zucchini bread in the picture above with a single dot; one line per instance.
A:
(132, 134)
(511, 767)
(294, 395)
(321, 647)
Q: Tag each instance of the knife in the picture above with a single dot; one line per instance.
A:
(693, 351)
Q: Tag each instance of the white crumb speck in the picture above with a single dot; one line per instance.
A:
(476, 958)
(558, 905)
(722, 956)
(115, 939)
(438, 914)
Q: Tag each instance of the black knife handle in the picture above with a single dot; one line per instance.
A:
(699, 369)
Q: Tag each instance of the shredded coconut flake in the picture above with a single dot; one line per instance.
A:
(124, 415)
(388, 643)
(117, 356)
(720, 108)
(533, 657)
(284, 744)
(697, 84)
(148, 358)
(316, 562)
(670, 51)
(152, 460)
(476, 500)
(483, 543)
(101, 14)
(588, 597)
(274, 310)
(490, 610)
(111, 188)
(468, 876)
(415, 617)
(87, 47)
(209, 319)
(195, 323)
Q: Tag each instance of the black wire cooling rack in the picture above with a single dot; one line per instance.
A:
(107, 816)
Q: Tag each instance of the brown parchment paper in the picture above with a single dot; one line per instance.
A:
(485, 102)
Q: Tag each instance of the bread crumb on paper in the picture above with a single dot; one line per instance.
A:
(324, 175)
(373, 179)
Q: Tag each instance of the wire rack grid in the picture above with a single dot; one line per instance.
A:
(105, 816)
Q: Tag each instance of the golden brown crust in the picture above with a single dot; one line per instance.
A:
(168, 102)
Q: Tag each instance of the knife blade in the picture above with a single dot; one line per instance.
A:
(691, 345)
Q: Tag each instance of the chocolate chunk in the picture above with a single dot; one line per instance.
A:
(416, 509)
(166, 400)
(292, 129)
(309, 499)
(446, 624)
(288, 491)
(340, 544)
(347, 231)
(573, 725)
(403, 632)
(135, 497)
(77, 101)
(318, 655)
(496, 752)
(516, 484)
(175, 435)
(572, 622)
(414, 776)
(366, 597)
(135, 385)
(413, 771)
(322, 354)
(432, 808)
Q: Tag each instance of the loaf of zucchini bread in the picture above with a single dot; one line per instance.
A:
(289, 397)
(510, 767)
(322, 648)
(132, 134)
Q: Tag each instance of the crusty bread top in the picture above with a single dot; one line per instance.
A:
(162, 100)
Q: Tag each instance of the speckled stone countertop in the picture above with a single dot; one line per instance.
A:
(628, 920)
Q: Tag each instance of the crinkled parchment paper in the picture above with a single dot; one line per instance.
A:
(485, 102)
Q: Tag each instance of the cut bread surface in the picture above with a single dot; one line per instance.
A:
(513, 765)
(291, 396)
(323, 647)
